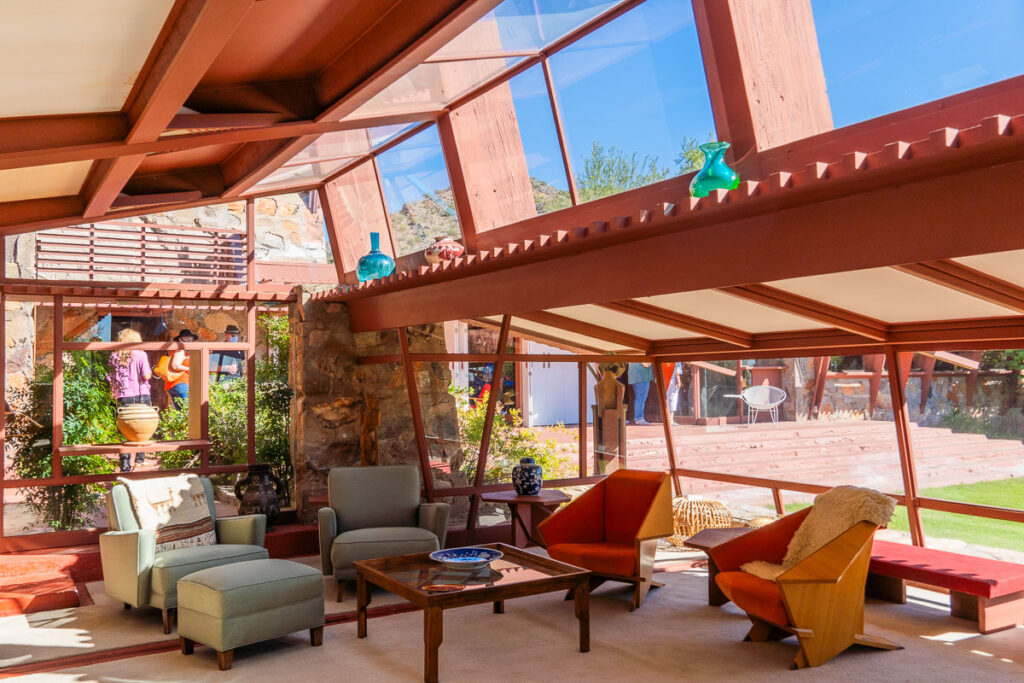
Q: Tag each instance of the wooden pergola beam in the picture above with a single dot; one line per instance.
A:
(968, 281)
(562, 322)
(199, 31)
(640, 309)
(812, 310)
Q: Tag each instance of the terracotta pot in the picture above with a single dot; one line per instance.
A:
(444, 248)
(138, 422)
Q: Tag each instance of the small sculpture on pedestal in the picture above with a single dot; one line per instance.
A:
(609, 419)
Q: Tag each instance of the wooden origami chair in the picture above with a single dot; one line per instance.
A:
(613, 529)
(820, 600)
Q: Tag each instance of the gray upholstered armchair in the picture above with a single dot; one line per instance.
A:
(138, 576)
(376, 512)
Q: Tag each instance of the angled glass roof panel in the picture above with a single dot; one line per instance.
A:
(881, 56)
(433, 85)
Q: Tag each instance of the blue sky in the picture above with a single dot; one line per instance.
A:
(638, 83)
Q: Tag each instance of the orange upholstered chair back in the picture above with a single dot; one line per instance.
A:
(628, 496)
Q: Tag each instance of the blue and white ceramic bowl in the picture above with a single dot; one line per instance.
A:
(466, 558)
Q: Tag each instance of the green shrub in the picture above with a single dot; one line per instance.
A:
(510, 442)
(89, 417)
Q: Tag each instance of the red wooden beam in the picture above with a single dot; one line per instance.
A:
(459, 186)
(640, 309)
(820, 377)
(234, 120)
(548, 339)
(334, 235)
(199, 32)
(416, 30)
(666, 421)
(417, 414)
(124, 201)
(899, 366)
(587, 329)
(810, 309)
(497, 380)
(969, 281)
(926, 379)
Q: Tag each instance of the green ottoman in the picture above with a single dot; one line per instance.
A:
(242, 603)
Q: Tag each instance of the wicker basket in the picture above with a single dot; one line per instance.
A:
(693, 515)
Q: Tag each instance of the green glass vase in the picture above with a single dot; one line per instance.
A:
(716, 174)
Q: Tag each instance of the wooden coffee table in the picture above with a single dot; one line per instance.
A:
(516, 575)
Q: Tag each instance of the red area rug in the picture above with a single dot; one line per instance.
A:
(37, 582)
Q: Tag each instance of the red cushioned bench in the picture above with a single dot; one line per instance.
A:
(990, 592)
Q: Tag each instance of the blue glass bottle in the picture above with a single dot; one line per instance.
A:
(376, 264)
(716, 174)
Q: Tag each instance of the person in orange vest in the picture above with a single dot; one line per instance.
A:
(177, 388)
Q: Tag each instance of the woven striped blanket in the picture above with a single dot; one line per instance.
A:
(175, 507)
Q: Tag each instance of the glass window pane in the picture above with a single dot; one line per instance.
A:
(418, 192)
(644, 74)
(42, 509)
(509, 151)
(942, 47)
(273, 398)
(358, 211)
(522, 25)
(432, 85)
(290, 227)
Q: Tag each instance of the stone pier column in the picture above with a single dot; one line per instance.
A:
(331, 392)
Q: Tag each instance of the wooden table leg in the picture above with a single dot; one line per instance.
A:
(362, 600)
(715, 595)
(582, 598)
(499, 606)
(433, 630)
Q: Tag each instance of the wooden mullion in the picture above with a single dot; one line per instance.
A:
(417, 414)
(57, 438)
(459, 182)
(897, 377)
(384, 206)
(250, 381)
(666, 419)
(3, 390)
(333, 232)
(582, 381)
(250, 244)
(563, 146)
(497, 376)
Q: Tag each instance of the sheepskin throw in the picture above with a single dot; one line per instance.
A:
(834, 512)
(175, 507)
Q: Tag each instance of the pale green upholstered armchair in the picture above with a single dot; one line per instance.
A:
(138, 576)
(376, 512)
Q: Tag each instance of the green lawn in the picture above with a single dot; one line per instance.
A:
(996, 533)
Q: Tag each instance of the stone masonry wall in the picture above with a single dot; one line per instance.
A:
(331, 391)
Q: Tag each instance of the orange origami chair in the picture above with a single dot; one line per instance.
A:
(820, 599)
(613, 529)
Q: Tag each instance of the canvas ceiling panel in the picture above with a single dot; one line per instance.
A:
(557, 333)
(890, 296)
(71, 57)
(36, 182)
(622, 322)
(732, 311)
(1005, 265)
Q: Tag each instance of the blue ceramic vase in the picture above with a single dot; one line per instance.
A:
(527, 477)
(716, 174)
(376, 264)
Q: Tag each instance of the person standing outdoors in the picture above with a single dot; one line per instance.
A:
(640, 377)
(177, 388)
(227, 365)
(129, 380)
(674, 385)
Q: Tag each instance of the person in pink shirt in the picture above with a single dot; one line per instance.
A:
(129, 379)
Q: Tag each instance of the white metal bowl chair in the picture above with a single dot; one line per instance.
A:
(762, 397)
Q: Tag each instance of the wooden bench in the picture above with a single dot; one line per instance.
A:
(989, 592)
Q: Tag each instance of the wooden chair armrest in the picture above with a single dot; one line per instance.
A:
(829, 563)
